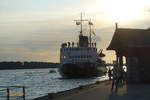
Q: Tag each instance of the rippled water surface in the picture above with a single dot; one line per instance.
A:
(39, 82)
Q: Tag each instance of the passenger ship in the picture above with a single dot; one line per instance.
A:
(81, 59)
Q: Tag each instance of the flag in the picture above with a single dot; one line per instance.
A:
(90, 23)
(78, 23)
(94, 33)
(101, 54)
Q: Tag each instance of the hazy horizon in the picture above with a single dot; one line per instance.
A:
(33, 30)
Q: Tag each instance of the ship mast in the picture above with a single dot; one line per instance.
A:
(90, 32)
(81, 25)
(80, 22)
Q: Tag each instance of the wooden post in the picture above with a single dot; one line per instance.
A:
(23, 92)
(8, 94)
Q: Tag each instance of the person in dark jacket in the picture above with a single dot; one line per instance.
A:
(109, 73)
(116, 77)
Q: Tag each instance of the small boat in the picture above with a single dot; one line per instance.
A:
(52, 71)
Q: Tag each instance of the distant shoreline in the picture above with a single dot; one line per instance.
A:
(27, 65)
(28, 68)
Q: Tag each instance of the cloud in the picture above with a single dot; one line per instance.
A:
(34, 29)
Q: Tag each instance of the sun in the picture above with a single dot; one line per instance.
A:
(120, 10)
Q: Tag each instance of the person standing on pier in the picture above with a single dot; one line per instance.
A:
(109, 73)
(116, 77)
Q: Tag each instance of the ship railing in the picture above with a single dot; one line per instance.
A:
(73, 44)
(78, 49)
(78, 60)
(12, 92)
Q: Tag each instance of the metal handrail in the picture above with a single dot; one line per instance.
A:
(8, 89)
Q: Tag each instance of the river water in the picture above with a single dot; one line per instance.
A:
(39, 82)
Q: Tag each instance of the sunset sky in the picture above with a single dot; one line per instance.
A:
(32, 30)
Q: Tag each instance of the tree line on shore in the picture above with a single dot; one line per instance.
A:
(27, 65)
